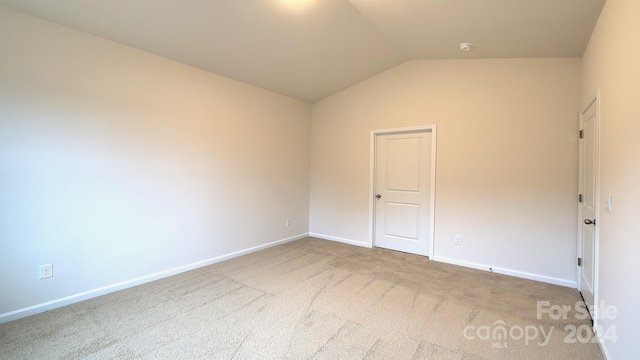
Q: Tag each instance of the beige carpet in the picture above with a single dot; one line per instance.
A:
(311, 299)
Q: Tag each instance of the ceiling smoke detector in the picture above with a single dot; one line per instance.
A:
(466, 46)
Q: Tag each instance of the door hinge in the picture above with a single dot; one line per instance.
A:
(580, 197)
(579, 261)
(581, 134)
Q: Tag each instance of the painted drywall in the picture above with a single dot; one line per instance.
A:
(507, 160)
(612, 64)
(116, 164)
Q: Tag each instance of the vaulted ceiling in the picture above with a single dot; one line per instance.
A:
(310, 49)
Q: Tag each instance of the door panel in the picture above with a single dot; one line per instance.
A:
(402, 220)
(403, 183)
(588, 208)
(403, 164)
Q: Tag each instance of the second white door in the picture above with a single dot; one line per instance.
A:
(589, 124)
(403, 192)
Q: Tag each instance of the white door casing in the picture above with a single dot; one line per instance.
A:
(403, 184)
(588, 209)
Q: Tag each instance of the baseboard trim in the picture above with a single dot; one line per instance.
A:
(339, 239)
(68, 300)
(603, 346)
(521, 274)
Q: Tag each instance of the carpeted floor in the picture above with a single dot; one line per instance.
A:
(314, 299)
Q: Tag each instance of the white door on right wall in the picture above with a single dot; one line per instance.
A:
(588, 233)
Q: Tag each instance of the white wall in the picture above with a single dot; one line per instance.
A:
(506, 177)
(612, 63)
(116, 164)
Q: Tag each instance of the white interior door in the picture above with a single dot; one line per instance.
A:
(403, 187)
(588, 208)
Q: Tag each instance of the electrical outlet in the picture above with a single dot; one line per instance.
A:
(46, 271)
(287, 222)
(457, 239)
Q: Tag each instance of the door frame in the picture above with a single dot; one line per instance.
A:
(594, 100)
(372, 175)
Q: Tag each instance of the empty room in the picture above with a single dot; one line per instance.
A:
(319, 179)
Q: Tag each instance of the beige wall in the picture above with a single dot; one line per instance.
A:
(116, 164)
(506, 177)
(612, 63)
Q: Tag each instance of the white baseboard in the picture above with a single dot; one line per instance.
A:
(50, 305)
(603, 347)
(338, 239)
(521, 274)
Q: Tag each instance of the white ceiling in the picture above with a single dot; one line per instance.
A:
(311, 50)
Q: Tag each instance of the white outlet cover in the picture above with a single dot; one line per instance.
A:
(608, 204)
(46, 271)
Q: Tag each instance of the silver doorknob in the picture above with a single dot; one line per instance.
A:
(589, 222)
(378, 196)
